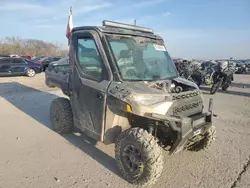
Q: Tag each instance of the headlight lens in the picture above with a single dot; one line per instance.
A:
(148, 100)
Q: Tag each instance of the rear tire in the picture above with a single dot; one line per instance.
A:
(139, 157)
(61, 115)
(30, 72)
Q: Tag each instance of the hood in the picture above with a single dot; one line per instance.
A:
(157, 97)
(186, 82)
(121, 90)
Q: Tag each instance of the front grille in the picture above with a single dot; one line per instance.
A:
(184, 108)
(186, 95)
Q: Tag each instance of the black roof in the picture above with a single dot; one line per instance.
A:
(4, 55)
(114, 30)
(1, 57)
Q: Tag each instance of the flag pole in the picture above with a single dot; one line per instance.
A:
(70, 11)
(69, 25)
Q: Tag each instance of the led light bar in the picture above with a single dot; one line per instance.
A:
(126, 26)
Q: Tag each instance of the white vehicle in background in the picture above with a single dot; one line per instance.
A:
(14, 55)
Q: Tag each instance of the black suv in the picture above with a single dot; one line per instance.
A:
(18, 66)
(44, 62)
(57, 72)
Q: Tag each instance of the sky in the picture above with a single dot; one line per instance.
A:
(190, 28)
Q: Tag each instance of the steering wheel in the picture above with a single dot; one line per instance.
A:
(131, 72)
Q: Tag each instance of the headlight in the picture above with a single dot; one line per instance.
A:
(148, 100)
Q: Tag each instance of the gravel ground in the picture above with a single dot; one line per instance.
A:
(32, 155)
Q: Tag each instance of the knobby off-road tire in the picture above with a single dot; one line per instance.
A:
(204, 143)
(149, 153)
(61, 115)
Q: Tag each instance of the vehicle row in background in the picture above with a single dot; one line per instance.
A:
(40, 62)
(242, 67)
(44, 62)
(57, 73)
(215, 73)
(30, 57)
(18, 66)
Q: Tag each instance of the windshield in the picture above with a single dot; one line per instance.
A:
(29, 61)
(141, 59)
(42, 59)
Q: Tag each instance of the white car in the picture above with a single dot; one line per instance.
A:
(14, 55)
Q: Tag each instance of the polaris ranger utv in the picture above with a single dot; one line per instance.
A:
(123, 88)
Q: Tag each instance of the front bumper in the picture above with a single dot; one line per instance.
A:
(187, 127)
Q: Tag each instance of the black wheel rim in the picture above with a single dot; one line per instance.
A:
(132, 159)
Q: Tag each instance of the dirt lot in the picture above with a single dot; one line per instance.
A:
(32, 155)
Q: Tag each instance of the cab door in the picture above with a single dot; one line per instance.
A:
(89, 82)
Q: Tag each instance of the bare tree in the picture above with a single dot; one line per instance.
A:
(16, 45)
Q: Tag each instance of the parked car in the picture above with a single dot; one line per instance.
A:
(18, 66)
(57, 72)
(44, 62)
(14, 55)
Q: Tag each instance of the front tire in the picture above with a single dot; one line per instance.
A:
(61, 115)
(139, 157)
